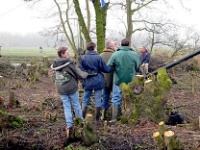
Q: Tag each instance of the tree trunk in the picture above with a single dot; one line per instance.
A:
(81, 20)
(150, 103)
(101, 15)
(129, 13)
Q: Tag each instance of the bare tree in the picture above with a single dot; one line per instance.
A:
(180, 41)
(132, 7)
(100, 18)
(156, 32)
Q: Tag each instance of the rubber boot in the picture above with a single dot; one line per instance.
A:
(84, 111)
(70, 135)
(104, 114)
(119, 113)
(97, 113)
(114, 114)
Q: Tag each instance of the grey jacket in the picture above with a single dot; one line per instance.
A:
(66, 75)
(105, 55)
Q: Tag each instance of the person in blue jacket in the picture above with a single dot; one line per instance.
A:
(144, 59)
(94, 65)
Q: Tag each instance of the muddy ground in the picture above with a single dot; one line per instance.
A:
(38, 100)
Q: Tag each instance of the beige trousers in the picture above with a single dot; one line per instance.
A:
(144, 68)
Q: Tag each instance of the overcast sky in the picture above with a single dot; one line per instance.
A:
(17, 17)
(187, 14)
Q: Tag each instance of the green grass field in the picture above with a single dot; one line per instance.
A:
(27, 54)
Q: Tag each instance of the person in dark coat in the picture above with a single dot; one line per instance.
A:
(67, 85)
(106, 54)
(93, 64)
(145, 60)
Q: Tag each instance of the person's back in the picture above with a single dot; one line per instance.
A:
(105, 55)
(67, 85)
(93, 64)
(125, 63)
(70, 83)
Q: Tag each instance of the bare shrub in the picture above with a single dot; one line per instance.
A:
(158, 60)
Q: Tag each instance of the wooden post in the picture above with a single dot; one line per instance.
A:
(199, 122)
(88, 118)
(149, 86)
(2, 83)
(139, 84)
(168, 138)
(162, 127)
(158, 140)
(139, 79)
(105, 127)
(1, 103)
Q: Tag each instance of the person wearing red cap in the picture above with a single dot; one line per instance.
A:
(144, 59)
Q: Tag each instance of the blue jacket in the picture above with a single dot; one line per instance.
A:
(92, 63)
(145, 57)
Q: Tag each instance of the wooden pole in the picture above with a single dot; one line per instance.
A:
(168, 139)
(199, 122)
(161, 127)
(158, 140)
(88, 118)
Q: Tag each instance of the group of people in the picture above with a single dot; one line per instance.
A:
(105, 73)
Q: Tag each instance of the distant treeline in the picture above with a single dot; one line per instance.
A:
(28, 40)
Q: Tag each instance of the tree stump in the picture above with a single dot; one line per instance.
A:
(158, 139)
(2, 83)
(150, 102)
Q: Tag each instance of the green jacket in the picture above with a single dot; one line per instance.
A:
(125, 62)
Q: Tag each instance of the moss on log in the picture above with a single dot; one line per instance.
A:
(82, 131)
(150, 102)
(88, 135)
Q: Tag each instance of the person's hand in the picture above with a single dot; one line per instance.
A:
(142, 64)
(51, 72)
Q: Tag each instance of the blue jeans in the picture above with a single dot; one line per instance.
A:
(97, 97)
(106, 96)
(116, 96)
(71, 100)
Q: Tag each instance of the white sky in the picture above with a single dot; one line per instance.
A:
(188, 16)
(17, 17)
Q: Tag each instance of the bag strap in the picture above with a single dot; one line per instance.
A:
(59, 67)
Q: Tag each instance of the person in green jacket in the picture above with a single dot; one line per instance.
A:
(125, 63)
